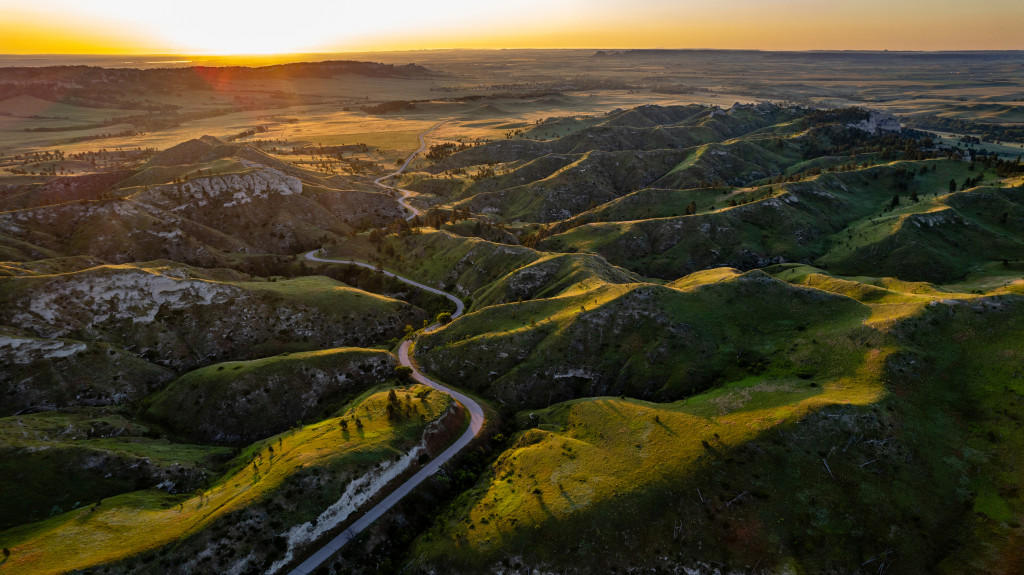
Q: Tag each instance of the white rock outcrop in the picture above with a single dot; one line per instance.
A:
(130, 294)
(227, 190)
(878, 122)
(22, 350)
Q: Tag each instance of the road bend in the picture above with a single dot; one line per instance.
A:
(413, 211)
(476, 423)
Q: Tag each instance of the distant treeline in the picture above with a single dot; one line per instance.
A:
(987, 132)
(199, 76)
(96, 87)
(398, 105)
(507, 95)
(246, 133)
(392, 106)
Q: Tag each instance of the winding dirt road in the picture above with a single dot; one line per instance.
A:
(476, 423)
(476, 413)
(413, 211)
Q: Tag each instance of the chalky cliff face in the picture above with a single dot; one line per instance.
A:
(260, 185)
(176, 209)
(135, 324)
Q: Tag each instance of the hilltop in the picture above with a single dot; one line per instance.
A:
(244, 401)
(131, 326)
(201, 202)
(669, 191)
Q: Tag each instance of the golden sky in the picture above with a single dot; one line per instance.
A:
(263, 27)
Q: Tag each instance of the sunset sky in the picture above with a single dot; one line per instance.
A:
(260, 27)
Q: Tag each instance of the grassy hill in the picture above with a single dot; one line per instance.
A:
(550, 276)
(48, 373)
(163, 315)
(941, 240)
(295, 474)
(774, 472)
(840, 221)
(459, 264)
(672, 147)
(648, 203)
(483, 272)
(641, 340)
(58, 461)
(669, 191)
(212, 199)
(243, 401)
(596, 177)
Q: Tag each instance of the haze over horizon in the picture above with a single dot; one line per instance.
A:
(220, 28)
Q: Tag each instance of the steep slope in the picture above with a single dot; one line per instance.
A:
(198, 203)
(641, 340)
(54, 462)
(162, 315)
(112, 230)
(240, 402)
(442, 259)
(940, 243)
(551, 276)
(832, 220)
(675, 147)
(595, 178)
(790, 226)
(283, 482)
(734, 163)
(52, 373)
(485, 273)
(909, 426)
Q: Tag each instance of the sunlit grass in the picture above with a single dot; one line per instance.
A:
(324, 293)
(131, 523)
(588, 451)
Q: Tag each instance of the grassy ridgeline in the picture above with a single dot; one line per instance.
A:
(241, 401)
(904, 456)
(273, 470)
(646, 340)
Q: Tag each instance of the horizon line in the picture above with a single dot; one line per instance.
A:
(463, 49)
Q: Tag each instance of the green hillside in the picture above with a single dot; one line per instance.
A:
(171, 319)
(797, 473)
(240, 402)
(642, 340)
(58, 461)
(273, 473)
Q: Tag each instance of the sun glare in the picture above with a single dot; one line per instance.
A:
(252, 28)
(240, 41)
(214, 27)
(261, 27)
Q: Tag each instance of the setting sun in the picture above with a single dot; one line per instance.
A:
(261, 27)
